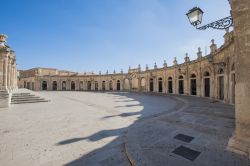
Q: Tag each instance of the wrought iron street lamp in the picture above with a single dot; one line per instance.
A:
(195, 17)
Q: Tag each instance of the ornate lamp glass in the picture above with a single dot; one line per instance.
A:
(195, 16)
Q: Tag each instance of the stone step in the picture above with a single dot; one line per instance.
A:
(23, 98)
(22, 95)
(25, 102)
(36, 99)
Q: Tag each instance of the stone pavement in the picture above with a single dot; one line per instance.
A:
(74, 128)
(197, 134)
(107, 129)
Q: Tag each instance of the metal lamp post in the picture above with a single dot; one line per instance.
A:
(195, 17)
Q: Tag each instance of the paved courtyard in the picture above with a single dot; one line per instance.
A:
(115, 129)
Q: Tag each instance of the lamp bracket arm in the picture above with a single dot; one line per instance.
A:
(221, 24)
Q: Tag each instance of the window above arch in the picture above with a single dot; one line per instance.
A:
(220, 71)
(180, 77)
(206, 74)
(193, 76)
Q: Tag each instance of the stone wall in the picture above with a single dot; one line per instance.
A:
(241, 14)
(207, 76)
(8, 72)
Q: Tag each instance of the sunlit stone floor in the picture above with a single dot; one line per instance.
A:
(75, 128)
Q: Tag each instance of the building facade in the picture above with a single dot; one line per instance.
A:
(211, 76)
(8, 72)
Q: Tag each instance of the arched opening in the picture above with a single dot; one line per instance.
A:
(126, 84)
(44, 85)
(96, 85)
(207, 84)
(89, 85)
(118, 85)
(143, 84)
(54, 85)
(170, 85)
(151, 85)
(193, 84)
(233, 82)
(64, 85)
(103, 85)
(135, 83)
(110, 85)
(221, 84)
(181, 85)
(81, 85)
(160, 85)
(73, 85)
(28, 85)
(33, 86)
(24, 84)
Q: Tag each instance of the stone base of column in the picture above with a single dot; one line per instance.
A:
(239, 145)
(5, 98)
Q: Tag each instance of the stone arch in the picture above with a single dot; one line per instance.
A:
(54, 85)
(126, 84)
(81, 85)
(143, 84)
(110, 85)
(206, 76)
(103, 85)
(151, 85)
(220, 74)
(170, 84)
(89, 85)
(64, 85)
(181, 84)
(193, 84)
(118, 85)
(135, 83)
(96, 85)
(44, 85)
(160, 84)
(73, 85)
(220, 71)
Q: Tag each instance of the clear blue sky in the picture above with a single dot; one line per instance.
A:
(93, 35)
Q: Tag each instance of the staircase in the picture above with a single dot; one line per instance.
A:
(22, 98)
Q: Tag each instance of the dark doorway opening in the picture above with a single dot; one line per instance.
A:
(73, 85)
(207, 87)
(151, 85)
(221, 87)
(170, 85)
(96, 85)
(110, 85)
(54, 85)
(181, 85)
(103, 85)
(118, 86)
(44, 85)
(89, 85)
(160, 85)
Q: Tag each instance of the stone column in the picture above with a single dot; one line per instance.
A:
(5, 73)
(1, 73)
(240, 142)
(9, 74)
